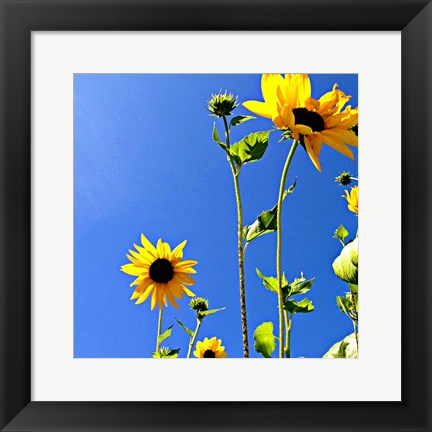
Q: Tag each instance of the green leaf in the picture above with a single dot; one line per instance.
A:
(210, 312)
(240, 119)
(271, 283)
(341, 233)
(251, 148)
(187, 330)
(303, 306)
(346, 348)
(345, 265)
(216, 138)
(344, 304)
(266, 221)
(353, 288)
(172, 353)
(300, 286)
(264, 338)
(165, 335)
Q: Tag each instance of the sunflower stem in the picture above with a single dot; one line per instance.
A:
(193, 338)
(279, 246)
(288, 321)
(235, 172)
(159, 330)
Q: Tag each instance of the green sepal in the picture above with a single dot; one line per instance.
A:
(304, 306)
(251, 148)
(265, 342)
(187, 330)
(346, 348)
(266, 221)
(240, 119)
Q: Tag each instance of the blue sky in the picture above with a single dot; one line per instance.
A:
(144, 162)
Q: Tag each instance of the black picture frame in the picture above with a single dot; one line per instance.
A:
(19, 18)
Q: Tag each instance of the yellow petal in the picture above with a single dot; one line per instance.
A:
(313, 148)
(153, 299)
(132, 270)
(304, 89)
(269, 86)
(345, 136)
(178, 250)
(145, 294)
(160, 249)
(147, 245)
(220, 354)
(184, 278)
(333, 141)
(188, 292)
(259, 108)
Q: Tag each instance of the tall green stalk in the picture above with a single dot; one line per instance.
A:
(159, 327)
(193, 338)
(279, 245)
(236, 172)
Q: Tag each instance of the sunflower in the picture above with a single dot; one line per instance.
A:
(288, 102)
(161, 272)
(210, 348)
(352, 198)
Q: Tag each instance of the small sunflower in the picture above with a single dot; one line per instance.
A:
(210, 348)
(288, 102)
(352, 198)
(161, 272)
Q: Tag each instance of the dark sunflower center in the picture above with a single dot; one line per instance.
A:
(308, 118)
(161, 271)
(209, 354)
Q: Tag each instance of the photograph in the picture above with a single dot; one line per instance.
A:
(216, 215)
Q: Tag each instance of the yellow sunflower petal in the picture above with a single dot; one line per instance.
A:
(145, 294)
(334, 142)
(303, 89)
(160, 249)
(269, 85)
(153, 299)
(313, 148)
(132, 270)
(220, 354)
(178, 250)
(345, 136)
(148, 245)
(259, 108)
(302, 129)
(170, 295)
(188, 292)
(184, 278)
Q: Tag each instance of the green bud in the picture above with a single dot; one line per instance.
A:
(344, 178)
(222, 104)
(199, 304)
(345, 265)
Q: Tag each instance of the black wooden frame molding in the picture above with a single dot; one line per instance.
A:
(19, 18)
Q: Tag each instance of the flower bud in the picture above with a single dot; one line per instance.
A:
(222, 104)
(199, 304)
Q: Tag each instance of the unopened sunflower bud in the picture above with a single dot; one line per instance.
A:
(222, 104)
(344, 178)
(199, 304)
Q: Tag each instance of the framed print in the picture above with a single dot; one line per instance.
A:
(128, 122)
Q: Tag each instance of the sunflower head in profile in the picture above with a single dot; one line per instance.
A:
(210, 348)
(160, 273)
(352, 199)
(288, 102)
